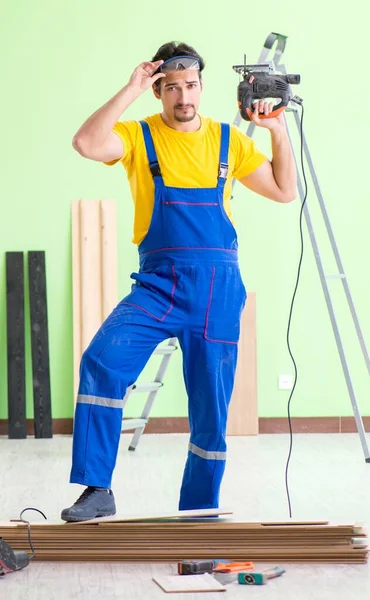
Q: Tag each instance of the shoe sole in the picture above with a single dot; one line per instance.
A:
(69, 519)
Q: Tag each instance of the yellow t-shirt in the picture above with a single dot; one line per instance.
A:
(186, 160)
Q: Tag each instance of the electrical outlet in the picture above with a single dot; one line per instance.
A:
(285, 382)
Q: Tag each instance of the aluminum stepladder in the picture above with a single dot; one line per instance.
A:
(280, 41)
(152, 388)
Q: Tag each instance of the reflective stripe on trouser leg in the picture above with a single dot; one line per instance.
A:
(206, 454)
(209, 381)
(112, 362)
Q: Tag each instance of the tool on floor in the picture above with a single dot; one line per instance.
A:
(252, 578)
(226, 578)
(259, 82)
(15, 560)
(11, 560)
(233, 567)
(198, 567)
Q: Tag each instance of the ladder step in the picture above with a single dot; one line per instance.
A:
(165, 350)
(128, 424)
(335, 276)
(147, 387)
(138, 424)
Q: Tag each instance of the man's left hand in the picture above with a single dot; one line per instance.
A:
(266, 108)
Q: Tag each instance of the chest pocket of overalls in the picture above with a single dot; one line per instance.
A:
(153, 292)
(227, 297)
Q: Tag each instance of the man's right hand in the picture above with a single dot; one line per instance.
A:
(95, 138)
(143, 77)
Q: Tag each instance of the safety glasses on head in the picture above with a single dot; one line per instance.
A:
(180, 63)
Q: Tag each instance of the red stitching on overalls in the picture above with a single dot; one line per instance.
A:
(207, 314)
(171, 303)
(195, 203)
(189, 248)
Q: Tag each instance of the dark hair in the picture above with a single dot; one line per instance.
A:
(172, 49)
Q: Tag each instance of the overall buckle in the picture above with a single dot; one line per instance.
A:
(223, 170)
(155, 169)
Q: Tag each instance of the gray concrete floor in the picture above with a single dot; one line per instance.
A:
(329, 480)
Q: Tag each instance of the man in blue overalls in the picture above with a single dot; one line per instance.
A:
(180, 166)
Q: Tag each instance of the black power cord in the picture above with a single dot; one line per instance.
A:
(29, 528)
(299, 101)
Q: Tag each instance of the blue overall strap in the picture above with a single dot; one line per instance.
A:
(224, 152)
(150, 150)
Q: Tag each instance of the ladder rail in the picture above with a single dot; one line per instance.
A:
(281, 41)
(335, 249)
(333, 319)
(281, 67)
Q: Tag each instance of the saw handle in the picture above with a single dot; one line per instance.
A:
(246, 106)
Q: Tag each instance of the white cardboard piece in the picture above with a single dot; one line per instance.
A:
(189, 583)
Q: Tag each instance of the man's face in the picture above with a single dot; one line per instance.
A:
(180, 94)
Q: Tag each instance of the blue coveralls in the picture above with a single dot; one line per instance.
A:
(189, 287)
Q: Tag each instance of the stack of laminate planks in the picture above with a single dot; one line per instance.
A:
(174, 539)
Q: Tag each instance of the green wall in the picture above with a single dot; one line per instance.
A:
(62, 60)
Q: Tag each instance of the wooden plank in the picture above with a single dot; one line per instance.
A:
(95, 271)
(180, 514)
(91, 284)
(109, 256)
(243, 411)
(76, 292)
(40, 345)
(15, 345)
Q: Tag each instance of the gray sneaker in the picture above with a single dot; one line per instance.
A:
(93, 502)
